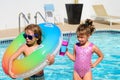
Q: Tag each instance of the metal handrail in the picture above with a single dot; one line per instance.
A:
(23, 15)
(40, 15)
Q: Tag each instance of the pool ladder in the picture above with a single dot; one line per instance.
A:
(23, 15)
(4, 43)
(37, 17)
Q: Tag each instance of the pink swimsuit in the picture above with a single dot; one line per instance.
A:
(83, 59)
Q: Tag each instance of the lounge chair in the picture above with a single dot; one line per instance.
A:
(101, 14)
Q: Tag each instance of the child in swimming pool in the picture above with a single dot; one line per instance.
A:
(83, 51)
(33, 36)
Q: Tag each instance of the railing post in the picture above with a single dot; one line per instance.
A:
(40, 15)
(20, 20)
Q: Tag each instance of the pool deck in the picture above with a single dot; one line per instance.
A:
(10, 33)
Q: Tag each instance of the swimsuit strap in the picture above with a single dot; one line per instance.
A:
(91, 44)
(77, 44)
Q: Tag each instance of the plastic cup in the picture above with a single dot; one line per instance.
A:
(63, 48)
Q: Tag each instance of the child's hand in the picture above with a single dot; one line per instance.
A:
(12, 75)
(92, 65)
(50, 59)
(66, 49)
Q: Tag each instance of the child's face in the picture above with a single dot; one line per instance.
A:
(82, 38)
(30, 37)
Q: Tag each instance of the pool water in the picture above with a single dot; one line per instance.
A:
(62, 69)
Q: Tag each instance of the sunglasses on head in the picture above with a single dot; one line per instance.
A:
(29, 36)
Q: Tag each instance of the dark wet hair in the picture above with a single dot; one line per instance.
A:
(86, 28)
(37, 31)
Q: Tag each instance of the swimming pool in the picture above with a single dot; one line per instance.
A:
(108, 69)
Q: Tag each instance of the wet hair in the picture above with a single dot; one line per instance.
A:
(86, 28)
(37, 31)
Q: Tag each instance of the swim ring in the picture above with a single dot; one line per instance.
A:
(27, 66)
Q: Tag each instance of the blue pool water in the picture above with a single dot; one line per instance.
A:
(62, 69)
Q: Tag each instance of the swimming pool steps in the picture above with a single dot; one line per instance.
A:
(4, 43)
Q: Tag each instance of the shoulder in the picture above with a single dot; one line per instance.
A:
(95, 48)
(21, 49)
(23, 46)
(91, 44)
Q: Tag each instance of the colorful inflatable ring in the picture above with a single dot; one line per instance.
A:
(27, 66)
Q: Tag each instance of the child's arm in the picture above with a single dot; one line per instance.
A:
(71, 56)
(100, 56)
(12, 58)
(51, 59)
